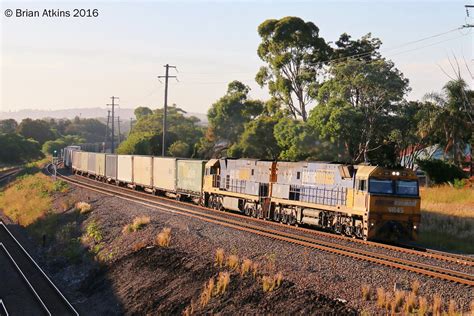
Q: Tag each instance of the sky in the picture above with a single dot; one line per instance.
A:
(51, 63)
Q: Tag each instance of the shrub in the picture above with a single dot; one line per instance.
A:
(93, 231)
(137, 224)
(83, 207)
(440, 171)
(164, 237)
(222, 281)
(219, 261)
(398, 299)
(233, 262)
(278, 278)
(255, 267)
(270, 283)
(365, 292)
(60, 186)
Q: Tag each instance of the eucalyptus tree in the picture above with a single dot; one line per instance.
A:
(294, 53)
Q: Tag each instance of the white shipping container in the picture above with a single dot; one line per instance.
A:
(142, 170)
(164, 173)
(125, 168)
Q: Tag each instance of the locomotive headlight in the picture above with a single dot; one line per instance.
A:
(414, 226)
(372, 224)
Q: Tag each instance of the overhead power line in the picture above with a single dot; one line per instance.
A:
(166, 76)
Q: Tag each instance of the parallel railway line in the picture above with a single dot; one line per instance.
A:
(8, 173)
(233, 221)
(26, 288)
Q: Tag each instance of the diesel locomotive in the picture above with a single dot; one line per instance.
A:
(361, 201)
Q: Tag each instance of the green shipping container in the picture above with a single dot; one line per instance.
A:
(190, 176)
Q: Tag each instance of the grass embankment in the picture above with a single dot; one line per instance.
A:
(447, 218)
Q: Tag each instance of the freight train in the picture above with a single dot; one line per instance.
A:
(361, 201)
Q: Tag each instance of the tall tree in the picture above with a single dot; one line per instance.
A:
(365, 48)
(8, 126)
(454, 111)
(228, 116)
(367, 91)
(293, 52)
(38, 130)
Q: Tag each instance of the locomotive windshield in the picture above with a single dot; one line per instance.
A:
(397, 187)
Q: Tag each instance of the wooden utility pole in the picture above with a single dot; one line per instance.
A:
(166, 76)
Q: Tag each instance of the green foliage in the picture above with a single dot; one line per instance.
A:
(93, 231)
(38, 130)
(179, 149)
(146, 137)
(228, 116)
(16, 149)
(361, 96)
(91, 130)
(142, 111)
(8, 126)
(293, 52)
(56, 145)
(459, 183)
(60, 186)
(257, 140)
(440, 171)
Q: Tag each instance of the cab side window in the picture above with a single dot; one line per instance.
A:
(361, 185)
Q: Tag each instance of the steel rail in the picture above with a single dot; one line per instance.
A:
(23, 276)
(431, 254)
(432, 271)
(42, 273)
(8, 173)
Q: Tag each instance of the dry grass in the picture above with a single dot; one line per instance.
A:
(163, 239)
(270, 283)
(365, 292)
(83, 207)
(223, 281)
(206, 293)
(410, 303)
(139, 246)
(27, 199)
(233, 262)
(452, 308)
(255, 267)
(220, 255)
(437, 303)
(245, 267)
(422, 306)
(66, 204)
(472, 307)
(398, 299)
(415, 287)
(137, 224)
(381, 297)
(447, 218)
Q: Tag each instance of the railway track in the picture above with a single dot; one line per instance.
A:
(25, 288)
(231, 221)
(8, 173)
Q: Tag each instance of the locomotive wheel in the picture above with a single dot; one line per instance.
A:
(284, 218)
(291, 220)
(254, 212)
(248, 211)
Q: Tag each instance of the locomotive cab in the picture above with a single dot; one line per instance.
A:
(391, 200)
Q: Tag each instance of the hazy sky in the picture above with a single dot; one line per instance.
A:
(55, 63)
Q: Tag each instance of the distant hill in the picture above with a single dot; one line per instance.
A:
(124, 113)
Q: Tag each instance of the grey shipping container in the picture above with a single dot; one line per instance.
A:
(190, 175)
(111, 167)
